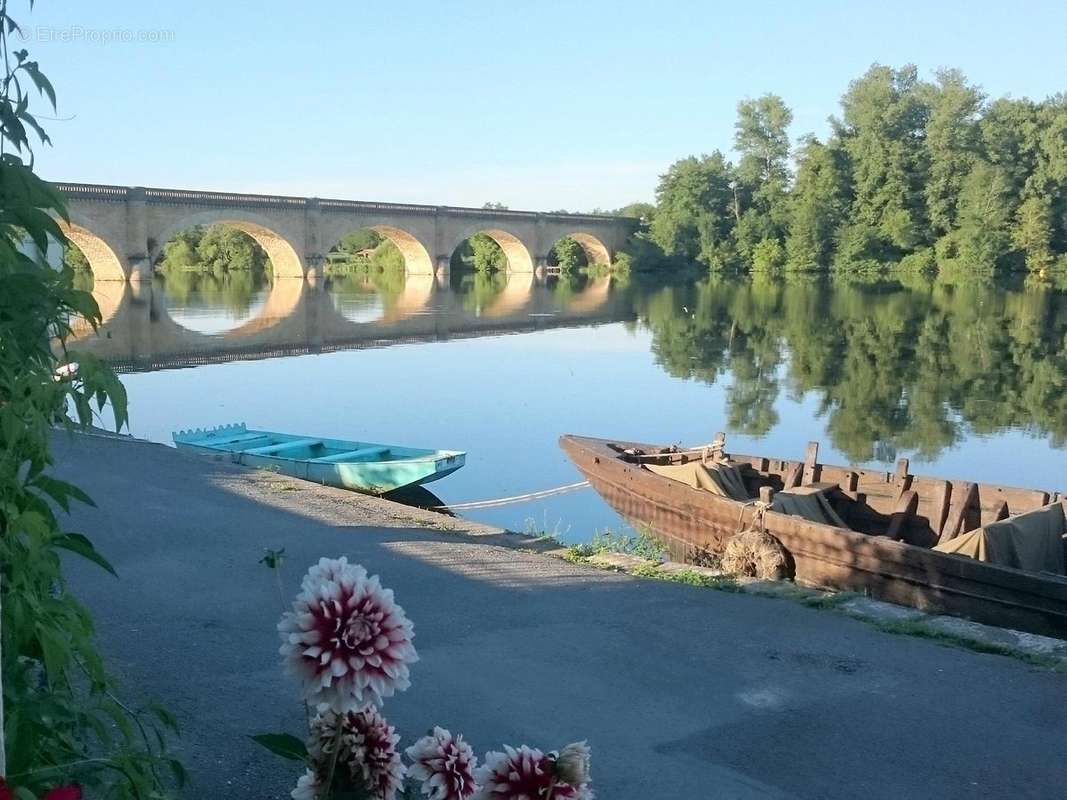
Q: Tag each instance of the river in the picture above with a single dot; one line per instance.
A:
(968, 380)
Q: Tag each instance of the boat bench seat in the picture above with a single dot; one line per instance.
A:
(351, 455)
(281, 447)
(214, 441)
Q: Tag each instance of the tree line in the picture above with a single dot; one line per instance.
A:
(914, 173)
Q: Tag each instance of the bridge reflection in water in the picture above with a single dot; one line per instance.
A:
(142, 332)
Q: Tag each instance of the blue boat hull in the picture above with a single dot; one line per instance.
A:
(361, 466)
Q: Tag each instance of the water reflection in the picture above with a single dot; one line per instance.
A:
(894, 365)
(191, 318)
(212, 304)
(887, 366)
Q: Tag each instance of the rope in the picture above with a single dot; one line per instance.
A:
(519, 498)
(702, 450)
(758, 516)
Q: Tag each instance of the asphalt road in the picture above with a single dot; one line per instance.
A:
(682, 693)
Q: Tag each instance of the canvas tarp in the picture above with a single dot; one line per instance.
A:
(717, 477)
(1032, 541)
(809, 504)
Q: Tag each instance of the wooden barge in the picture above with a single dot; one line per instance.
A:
(991, 553)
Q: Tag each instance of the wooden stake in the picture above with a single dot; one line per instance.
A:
(811, 463)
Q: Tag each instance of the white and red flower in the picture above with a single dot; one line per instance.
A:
(367, 759)
(525, 773)
(444, 764)
(346, 638)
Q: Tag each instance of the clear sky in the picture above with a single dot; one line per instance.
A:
(535, 104)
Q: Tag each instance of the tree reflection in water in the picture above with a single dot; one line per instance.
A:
(905, 363)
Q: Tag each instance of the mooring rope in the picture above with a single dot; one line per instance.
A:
(519, 498)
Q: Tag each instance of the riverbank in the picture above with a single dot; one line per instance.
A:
(682, 692)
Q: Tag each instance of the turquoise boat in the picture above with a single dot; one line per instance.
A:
(361, 466)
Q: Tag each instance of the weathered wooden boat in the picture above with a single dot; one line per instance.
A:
(991, 553)
(362, 466)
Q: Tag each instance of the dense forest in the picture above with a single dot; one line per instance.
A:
(914, 173)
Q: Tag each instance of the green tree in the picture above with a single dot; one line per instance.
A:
(882, 130)
(569, 255)
(225, 249)
(74, 258)
(695, 212)
(818, 206)
(761, 137)
(952, 144)
(356, 241)
(1033, 233)
(486, 254)
(984, 211)
(180, 252)
(642, 211)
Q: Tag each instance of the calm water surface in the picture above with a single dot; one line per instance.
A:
(966, 380)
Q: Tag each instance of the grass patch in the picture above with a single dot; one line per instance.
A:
(689, 577)
(642, 544)
(542, 533)
(921, 628)
(827, 599)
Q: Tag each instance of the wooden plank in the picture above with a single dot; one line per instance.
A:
(902, 478)
(1000, 511)
(811, 463)
(849, 482)
(793, 476)
(942, 500)
(905, 510)
(966, 503)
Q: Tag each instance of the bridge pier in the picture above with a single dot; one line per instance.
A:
(315, 267)
(443, 270)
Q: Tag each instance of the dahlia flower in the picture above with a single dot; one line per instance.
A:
(572, 763)
(346, 638)
(444, 764)
(525, 773)
(367, 756)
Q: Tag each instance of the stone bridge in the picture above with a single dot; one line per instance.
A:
(122, 230)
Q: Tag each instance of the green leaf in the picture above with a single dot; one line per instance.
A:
(165, 716)
(61, 491)
(77, 543)
(55, 652)
(181, 777)
(40, 81)
(283, 744)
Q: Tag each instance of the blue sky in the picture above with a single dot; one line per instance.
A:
(537, 104)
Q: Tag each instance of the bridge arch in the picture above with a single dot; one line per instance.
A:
(417, 259)
(515, 250)
(596, 252)
(103, 260)
(284, 259)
